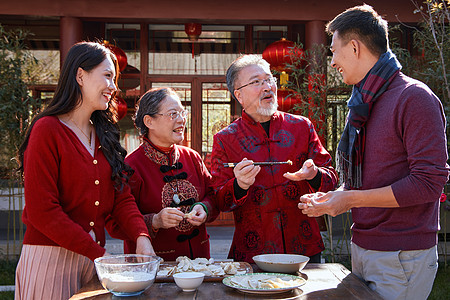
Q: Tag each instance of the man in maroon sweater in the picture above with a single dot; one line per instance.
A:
(392, 161)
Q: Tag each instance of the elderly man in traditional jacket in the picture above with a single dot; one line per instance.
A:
(264, 198)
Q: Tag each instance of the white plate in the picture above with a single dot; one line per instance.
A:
(227, 281)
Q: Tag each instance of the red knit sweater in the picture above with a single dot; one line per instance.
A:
(68, 192)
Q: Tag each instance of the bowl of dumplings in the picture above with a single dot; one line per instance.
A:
(281, 263)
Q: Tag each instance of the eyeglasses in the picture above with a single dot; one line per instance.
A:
(175, 114)
(259, 82)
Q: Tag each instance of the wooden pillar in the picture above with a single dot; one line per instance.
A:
(317, 75)
(196, 113)
(144, 57)
(248, 39)
(315, 33)
(70, 32)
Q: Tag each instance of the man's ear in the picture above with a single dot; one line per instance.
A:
(356, 46)
(80, 74)
(237, 95)
(148, 121)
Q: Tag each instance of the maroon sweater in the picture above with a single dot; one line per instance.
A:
(405, 148)
(68, 192)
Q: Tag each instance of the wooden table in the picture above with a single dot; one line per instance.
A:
(325, 281)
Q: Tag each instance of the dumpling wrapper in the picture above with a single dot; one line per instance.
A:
(201, 260)
(263, 281)
(190, 214)
(203, 265)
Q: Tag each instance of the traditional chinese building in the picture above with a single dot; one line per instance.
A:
(187, 45)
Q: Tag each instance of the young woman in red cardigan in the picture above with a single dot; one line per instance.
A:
(74, 177)
(171, 184)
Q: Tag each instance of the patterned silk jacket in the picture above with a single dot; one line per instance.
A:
(163, 179)
(267, 219)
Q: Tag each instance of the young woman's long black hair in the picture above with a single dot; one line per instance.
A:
(86, 55)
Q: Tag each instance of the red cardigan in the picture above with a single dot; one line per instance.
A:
(68, 192)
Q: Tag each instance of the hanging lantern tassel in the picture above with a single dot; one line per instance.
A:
(193, 52)
(284, 79)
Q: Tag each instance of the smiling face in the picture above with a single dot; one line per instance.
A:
(258, 101)
(97, 85)
(345, 59)
(162, 131)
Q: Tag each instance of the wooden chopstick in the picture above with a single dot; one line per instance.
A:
(263, 163)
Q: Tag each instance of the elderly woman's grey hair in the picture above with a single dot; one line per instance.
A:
(150, 104)
(239, 64)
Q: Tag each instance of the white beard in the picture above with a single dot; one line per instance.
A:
(268, 112)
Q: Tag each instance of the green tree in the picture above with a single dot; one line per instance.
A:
(321, 92)
(16, 111)
(434, 42)
(16, 106)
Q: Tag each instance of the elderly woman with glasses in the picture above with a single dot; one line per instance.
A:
(171, 184)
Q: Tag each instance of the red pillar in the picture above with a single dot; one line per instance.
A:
(70, 32)
(315, 35)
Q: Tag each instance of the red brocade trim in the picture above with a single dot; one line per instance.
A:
(158, 156)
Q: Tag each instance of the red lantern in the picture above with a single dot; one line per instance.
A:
(281, 52)
(128, 82)
(287, 99)
(119, 53)
(193, 30)
(121, 107)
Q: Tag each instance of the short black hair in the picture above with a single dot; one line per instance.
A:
(365, 24)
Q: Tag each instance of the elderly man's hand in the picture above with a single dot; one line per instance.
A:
(308, 171)
(245, 173)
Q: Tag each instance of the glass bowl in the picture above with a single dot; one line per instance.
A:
(127, 274)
